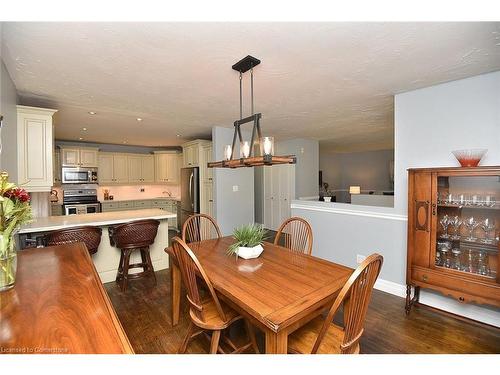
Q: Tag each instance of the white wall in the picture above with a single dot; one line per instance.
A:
(429, 124)
(232, 209)
(307, 167)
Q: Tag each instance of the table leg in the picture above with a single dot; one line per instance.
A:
(175, 278)
(276, 343)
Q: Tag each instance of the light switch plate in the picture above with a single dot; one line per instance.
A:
(235, 188)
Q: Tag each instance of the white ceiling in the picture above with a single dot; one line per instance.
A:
(329, 81)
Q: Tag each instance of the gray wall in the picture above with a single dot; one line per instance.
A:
(8, 101)
(369, 169)
(307, 167)
(232, 209)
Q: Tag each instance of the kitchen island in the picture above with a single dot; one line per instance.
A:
(107, 258)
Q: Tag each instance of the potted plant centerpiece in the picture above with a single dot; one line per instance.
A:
(249, 240)
(15, 210)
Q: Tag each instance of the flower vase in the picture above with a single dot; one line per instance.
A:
(8, 262)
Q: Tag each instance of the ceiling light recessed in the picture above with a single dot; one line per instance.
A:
(84, 129)
(92, 113)
(139, 119)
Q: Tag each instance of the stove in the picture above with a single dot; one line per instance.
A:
(80, 201)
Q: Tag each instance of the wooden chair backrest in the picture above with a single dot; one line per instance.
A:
(297, 234)
(200, 227)
(190, 268)
(89, 235)
(356, 295)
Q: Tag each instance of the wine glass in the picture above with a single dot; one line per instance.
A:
(445, 222)
(470, 261)
(445, 256)
(456, 259)
(455, 222)
(471, 224)
(487, 225)
(482, 263)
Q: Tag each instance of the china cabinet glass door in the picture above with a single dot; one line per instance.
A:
(468, 223)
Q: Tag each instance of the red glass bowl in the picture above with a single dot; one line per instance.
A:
(469, 158)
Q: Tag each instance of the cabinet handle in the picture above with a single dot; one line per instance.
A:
(424, 277)
(461, 299)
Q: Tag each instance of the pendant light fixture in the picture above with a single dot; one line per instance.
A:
(247, 148)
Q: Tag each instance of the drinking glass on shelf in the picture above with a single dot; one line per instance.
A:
(455, 199)
(471, 224)
(448, 198)
(489, 201)
(455, 223)
(462, 199)
(488, 225)
(445, 222)
(482, 263)
(456, 259)
(444, 249)
(475, 200)
(438, 261)
(469, 267)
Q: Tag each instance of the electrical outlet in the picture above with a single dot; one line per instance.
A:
(360, 258)
(142, 190)
(235, 188)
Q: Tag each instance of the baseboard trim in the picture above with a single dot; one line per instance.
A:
(475, 312)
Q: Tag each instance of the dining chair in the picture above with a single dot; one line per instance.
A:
(297, 234)
(89, 235)
(207, 314)
(200, 227)
(324, 336)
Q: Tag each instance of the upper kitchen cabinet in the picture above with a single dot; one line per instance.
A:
(79, 157)
(167, 167)
(35, 148)
(113, 168)
(141, 168)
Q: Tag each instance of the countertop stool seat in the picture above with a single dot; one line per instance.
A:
(130, 237)
(89, 235)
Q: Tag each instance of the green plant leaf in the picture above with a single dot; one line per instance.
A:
(247, 236)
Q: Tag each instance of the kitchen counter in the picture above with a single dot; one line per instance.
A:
(58, 305)
(142, 199)
(100, 219)
(107, 257)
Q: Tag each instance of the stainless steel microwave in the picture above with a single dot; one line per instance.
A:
(79, 175)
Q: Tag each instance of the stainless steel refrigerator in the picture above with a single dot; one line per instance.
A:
(190, 193)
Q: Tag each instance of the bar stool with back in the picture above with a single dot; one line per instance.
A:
(130, 237)
(90, 236)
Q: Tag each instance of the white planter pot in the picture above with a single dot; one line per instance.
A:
(249, 252)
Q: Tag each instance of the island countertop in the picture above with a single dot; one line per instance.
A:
(45, 224)
(58, 305)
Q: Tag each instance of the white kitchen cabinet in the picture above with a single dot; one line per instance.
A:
(35, 148)
(167, 167)
(208, 173)
(141, 168)
(275, 190)
(190, 152)
(113, 168)
(56, 161)
(79, 157)
(207, 203)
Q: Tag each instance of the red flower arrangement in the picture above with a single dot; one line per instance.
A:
(17, 194)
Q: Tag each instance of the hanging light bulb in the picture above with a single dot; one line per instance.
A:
(227, 152)
(245, 149)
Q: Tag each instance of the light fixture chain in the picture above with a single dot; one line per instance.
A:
(251, 86)
(241, 98)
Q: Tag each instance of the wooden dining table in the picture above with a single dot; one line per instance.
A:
(278, 292)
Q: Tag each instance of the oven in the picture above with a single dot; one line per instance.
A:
(79, 175)
(80, 201)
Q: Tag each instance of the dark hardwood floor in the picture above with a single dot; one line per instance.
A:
(144, 312)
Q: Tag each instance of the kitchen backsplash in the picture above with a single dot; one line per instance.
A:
(130, 192)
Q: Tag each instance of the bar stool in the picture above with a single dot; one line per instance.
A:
(129, 237)
(90, 236)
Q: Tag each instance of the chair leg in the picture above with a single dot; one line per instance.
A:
(126, 261)
(119, 274)
(251, 336)
(150, 264)
(214, 342)
(185, 342)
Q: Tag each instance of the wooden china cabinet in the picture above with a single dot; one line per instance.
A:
(453, 234)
